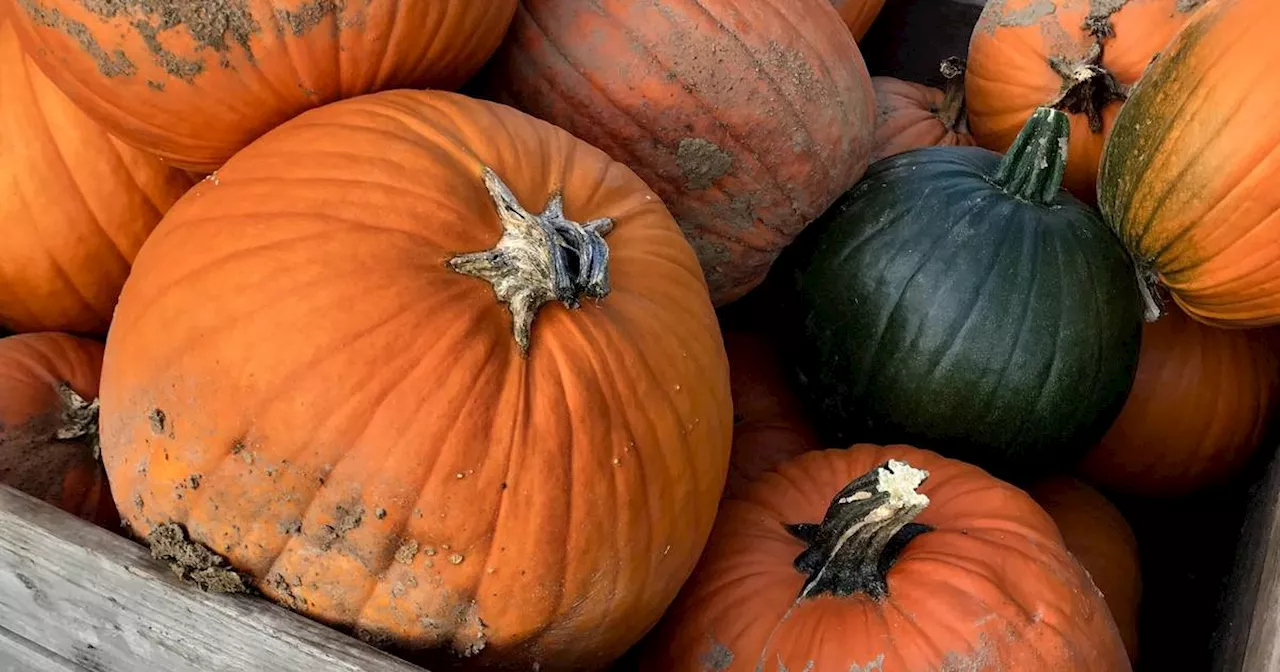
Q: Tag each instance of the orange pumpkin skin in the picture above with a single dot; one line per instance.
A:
(990, 588)
(1200, 406)
(748, 118)
(75, 204)
(64, 472)
(1188, 178)
(196, 81)
(910, 116)
(769, 425)
(351, 422)
(1100, 538)
(1027, 53)
(858, 14)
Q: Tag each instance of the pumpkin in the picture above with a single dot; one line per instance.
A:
(49, 423)
(858, 14)
(1101, 540)
(886, 558)
(769, 425)
(196, 81)
(910, 116)
(1079, 56)
(455, 382)
(1187, 178)
(75, 204)
(748, 118)
(1202, 403)
(964, 302)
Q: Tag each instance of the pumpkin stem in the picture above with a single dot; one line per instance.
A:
(867, 525)
(951, 111)
(1149, 290)
(1087, 87)
(540, 258)
(1033, 167)
(79, 420)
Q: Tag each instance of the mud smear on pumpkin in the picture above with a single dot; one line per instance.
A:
(307, 16)
(348, 518)
(114, 64)
(995, 15)
(717, 659)
(194, 562)
(702, 162)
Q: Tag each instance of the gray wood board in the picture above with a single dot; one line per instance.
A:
(74, 596)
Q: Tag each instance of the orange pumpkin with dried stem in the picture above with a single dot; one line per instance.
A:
(910, 116)
(49, 423)
(886, 558)
(1078, 56)
(75, 204)
(1201, 405)
(1100, 538)
(194, 81)
(769, 425)
(858, 14)
(748, 118)
(454, 382)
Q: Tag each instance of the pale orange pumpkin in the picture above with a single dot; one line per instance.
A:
(313, 372)
(75, 204)
(910, 116)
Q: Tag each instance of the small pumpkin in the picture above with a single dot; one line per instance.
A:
(858, 14)
(1201, 405)
(1100, 538)
(454, 382)
(75, 204)
(1078, 56)
(963, 301)
(195, 81)
(747, 118)
(886, 558)
(910, 116)
(1187, 179)
(769, 425)
(49, 423)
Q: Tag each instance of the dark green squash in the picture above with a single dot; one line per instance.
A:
(963, 302)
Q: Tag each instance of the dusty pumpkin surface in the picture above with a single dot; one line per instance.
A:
(196, 80)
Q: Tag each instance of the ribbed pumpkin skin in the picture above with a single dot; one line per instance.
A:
(858, 14)
(932, 306)
(748, 117)
(1201, 405)
(197, 80)
(1010, 72)
(342, 395)
(1189, 176)
(75, 204)
(65, 474)
(769, 425)
(1101, 540)
(907, 118)
(991, 588)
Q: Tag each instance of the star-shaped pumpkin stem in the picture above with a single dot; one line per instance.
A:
(1087, 87)
(539, 258)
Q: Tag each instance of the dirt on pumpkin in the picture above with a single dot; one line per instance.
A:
(194, 562)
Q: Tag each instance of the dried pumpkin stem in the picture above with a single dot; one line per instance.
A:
(1033, 168)
(540, 258)
(1087, 87)
(79, 419)
(866, 526)
(951, 111)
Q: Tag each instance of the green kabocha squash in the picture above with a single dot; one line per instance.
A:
(964, 302)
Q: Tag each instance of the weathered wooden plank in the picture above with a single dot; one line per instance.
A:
(76, 597)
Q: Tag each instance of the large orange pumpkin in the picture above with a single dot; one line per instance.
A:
(910, 116)
(1189, 178)
(194, 81)
(75, 204)
(1100, 538)
(858, 14)
(49, 423)
(747, 117)
(820, 566)
(769, 425)
(372, 413)
(1200, 406)
(1079, 56)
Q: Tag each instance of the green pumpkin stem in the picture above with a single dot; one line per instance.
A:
(951, 110)
(867, 524)
(1033, 167)
(539, 258)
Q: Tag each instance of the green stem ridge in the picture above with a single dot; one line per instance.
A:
(539, 258)
(1033, 167)
(867, 524)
